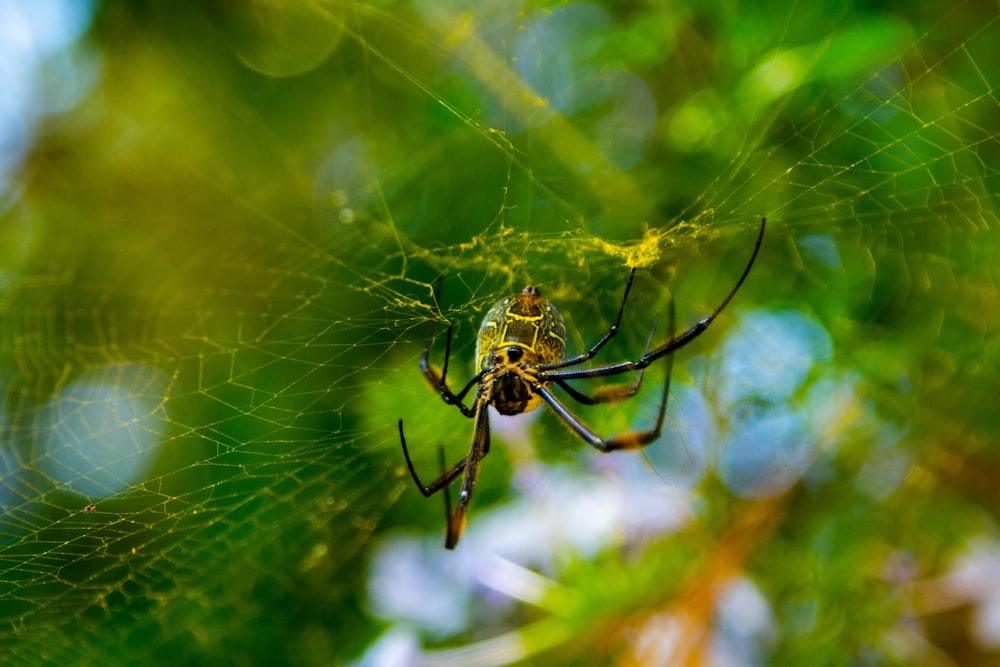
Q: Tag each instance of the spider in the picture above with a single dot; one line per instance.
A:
(520, 355)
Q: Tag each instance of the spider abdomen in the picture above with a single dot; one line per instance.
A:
(526, 321)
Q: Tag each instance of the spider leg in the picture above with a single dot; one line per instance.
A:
(480, 447)
(446, 478)
(610, 393)
(439, 382)
(613, 392)
(627, 440)
(447, 493)
(588, 355)
(469, 465)
(673, 343)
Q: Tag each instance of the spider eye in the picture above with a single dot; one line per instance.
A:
(515, 353)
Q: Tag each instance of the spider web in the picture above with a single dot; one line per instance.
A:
(219, 271)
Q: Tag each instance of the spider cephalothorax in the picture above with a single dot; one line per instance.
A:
(520, 355)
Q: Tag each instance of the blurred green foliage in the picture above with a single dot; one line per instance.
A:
(250, 203)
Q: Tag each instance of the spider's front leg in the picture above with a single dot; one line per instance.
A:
(674, 342)
(592, 352)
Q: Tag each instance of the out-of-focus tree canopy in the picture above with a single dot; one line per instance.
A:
(221, 227)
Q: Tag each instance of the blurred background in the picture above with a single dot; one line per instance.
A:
(220, 229)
